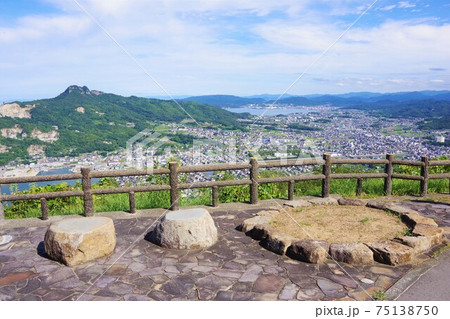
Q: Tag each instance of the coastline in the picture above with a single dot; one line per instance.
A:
(20, 172)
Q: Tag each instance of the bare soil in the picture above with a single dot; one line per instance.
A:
(339, 224)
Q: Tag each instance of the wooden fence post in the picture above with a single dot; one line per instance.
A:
(87, 193)
(359, 187)
(173, 179)
(291, 187)
(132, 202)
(388, 169)
(215, 196)
(424, 174)
(2, 211)
(254, 179)
(326, 170)
(44, 209)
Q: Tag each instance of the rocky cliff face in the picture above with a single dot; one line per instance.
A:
(81, 90)
(12, 132)
(48, 137)
(14, 110)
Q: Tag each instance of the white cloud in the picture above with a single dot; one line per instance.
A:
(388, 8)
(405, 5)
(199, 47)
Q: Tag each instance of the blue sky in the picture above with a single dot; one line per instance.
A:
(193, 47)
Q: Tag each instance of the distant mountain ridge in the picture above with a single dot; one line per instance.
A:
(80, 120)
(353, 98)
(433, 106)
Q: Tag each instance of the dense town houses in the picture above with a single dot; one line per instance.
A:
(344, 133)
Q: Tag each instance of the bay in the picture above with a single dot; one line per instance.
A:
(270, 111)
(6, 189)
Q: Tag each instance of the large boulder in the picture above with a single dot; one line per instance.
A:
(250, 223)
(352, 253)
(311, 251)
(413, 218)
(185, 229)
(435, 234)
(391, 252)
(78, 240)
(260, 231)
(277, 243)
(418, 243)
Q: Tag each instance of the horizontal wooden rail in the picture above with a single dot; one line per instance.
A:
(297, 162)
(304, 177)
(214, 183)
(409, 163)
(253, 180)
(122, 173)
(358, 161)
(41, 178)
(41, 195)
(136, 189)
(436, 163)
(439, 176)
(360, 175)
(212, 168)
(409, 177)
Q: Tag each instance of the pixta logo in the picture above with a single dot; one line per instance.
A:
(142, 148)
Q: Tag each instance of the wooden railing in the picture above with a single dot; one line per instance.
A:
(254, 166)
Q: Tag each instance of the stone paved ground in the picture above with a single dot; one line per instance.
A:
(235, 268)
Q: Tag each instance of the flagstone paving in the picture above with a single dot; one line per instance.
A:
(235, 268)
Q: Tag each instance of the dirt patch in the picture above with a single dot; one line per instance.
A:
(339, 224)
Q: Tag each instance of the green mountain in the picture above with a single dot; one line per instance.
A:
(80, 120)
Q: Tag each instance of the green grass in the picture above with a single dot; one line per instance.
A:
(379, 295)
(161, 199)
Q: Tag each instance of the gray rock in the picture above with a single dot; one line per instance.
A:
(249, 223)
(312, 251)
(377, 204)
(435, 234)
(352, 253)
(391, 253)
(350, 202)
(297, 203)
(413, 218)
(5, 239)
(78, 240)
(185, 229)
(277, 243)
(269, 213)
(268, 284)
(323, 201)
(419, 244)
(367, 281)
(331, 289)
(261, 231)
(289, 292)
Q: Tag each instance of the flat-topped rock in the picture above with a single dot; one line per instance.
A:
(78, 240)
(185, 229)
(352, 253)
(297, 203)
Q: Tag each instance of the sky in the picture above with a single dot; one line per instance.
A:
(199, 47)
